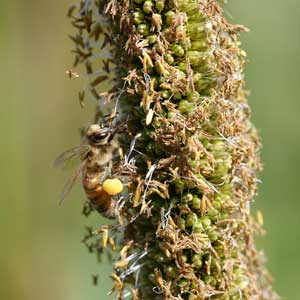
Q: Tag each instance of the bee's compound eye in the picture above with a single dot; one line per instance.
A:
(100, 137)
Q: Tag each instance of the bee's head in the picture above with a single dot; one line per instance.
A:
(98, 136)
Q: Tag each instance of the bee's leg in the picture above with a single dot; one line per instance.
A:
(121, 154)
(103, 176)
(106, 172)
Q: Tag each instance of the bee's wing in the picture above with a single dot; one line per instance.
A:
(72, 180)
(73, 153)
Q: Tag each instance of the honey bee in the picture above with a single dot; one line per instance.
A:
(100, 145)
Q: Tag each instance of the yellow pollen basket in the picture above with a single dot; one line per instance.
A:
(112, 186)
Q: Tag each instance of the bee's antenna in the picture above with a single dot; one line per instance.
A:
(109, 118)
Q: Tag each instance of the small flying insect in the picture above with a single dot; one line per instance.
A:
(72, 74)
(99, 146)
(95, 279)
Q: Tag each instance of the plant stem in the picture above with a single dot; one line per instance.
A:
(183, 225)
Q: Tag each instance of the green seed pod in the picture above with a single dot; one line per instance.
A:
(196, 203)
(138, 17)
(220, 171)
(196, 77)
(197, 261)
(212, 234)
(198, 45)
(169, 58)
(147, 7)
(183, 283)
(193, 97)
(182, 4)
(218, 147)
(191, 219)
(210, 280)
(238, 272)
(159, 5)
(170, 272)
(143, 29)
(187, 198)
(184, 258)
(196, 32)
(206, 222)
(170, 16)
(197, 58)
(182, 66)
(179, 186)
(156, 122)
(177, 95)
(164, 94)
(224, 216)
(191, 9)
(219, 249)
(204, 84)
(185, 107)
(217, 204)
(226, 190)
(171, 115)
(152, 39)
(178, 50)
(182, 224)
(213, 214)
(194, 164)
(198, 227)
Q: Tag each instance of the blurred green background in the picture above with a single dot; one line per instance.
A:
(41, 256)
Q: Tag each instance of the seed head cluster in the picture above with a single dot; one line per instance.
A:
(183, 228)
